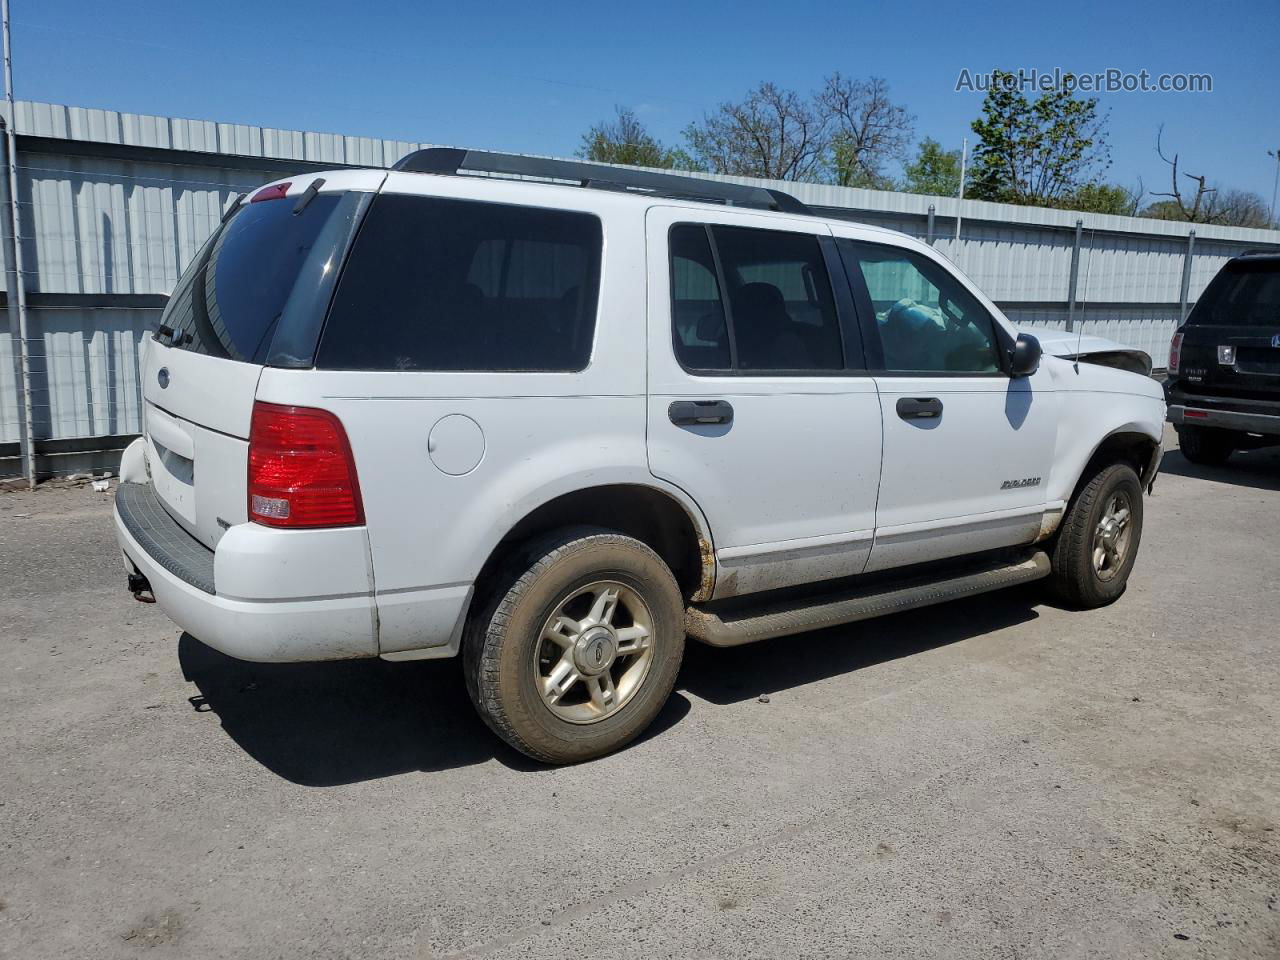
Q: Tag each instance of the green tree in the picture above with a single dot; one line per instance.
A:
(1036, 152)
(934, 171)
(1104, 198)
(626, 140)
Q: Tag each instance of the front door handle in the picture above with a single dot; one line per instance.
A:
(919, 408)
(685, 413)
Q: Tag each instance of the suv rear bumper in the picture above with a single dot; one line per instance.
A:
(246, 598)
(1227, 413)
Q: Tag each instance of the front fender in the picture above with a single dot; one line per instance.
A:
(1100, 403)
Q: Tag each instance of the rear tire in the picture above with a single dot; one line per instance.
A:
(1098, 541)
(578, 645)
(1205, 445)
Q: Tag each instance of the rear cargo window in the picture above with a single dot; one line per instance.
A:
(231, 298)
(1244, 293)
(439, 284)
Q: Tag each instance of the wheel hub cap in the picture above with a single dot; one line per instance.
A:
(1111, 537)
(595, 651)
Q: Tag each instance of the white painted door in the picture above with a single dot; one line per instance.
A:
(967, 448)
(758, 407)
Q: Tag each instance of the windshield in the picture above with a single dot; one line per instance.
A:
(1245, 293)
(229, 301)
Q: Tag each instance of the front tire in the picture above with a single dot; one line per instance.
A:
(1098, 541)
(578, 647)
(1207, 446)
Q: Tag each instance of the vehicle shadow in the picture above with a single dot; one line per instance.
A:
(1258, 469)
(731, 675)
(327, 724)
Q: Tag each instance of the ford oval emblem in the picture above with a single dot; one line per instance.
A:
(1275, 340)
(163, 377)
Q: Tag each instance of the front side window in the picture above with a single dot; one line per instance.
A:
(927, 321)
(459, 285)
(775, 314)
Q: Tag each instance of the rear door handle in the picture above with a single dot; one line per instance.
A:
(685, 413)
(919, 408)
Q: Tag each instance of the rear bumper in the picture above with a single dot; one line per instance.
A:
(265, 595)
(1206, 416)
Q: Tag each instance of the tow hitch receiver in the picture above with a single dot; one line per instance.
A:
(140, 587)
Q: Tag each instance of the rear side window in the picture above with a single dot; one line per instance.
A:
(1245, 293)
(761, 303)
(229, 302)
(448, 285)
(697, 312)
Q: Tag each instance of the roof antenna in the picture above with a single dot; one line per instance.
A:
(1084, 302)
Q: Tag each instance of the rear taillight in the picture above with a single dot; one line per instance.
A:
(1175, 352)
(301, 472)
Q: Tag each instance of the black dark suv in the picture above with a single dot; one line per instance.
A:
(1224, 363)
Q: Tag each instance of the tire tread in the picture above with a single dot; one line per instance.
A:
(486, 632)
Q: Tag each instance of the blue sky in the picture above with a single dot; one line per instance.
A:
(533, 76)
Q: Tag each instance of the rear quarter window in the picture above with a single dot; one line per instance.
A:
(460, 285)
(229, 302)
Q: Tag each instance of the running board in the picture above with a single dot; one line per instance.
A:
(780, 618)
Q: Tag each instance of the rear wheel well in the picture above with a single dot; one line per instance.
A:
(649, 515)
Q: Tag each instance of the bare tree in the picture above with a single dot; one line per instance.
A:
(1241, 208)
(1198, 209)
(1210, 204)
(772, 133)
(868, 130)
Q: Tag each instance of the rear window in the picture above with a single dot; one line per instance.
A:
(1244, 293)
(229, 302)
(447, 285)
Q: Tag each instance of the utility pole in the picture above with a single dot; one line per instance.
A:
(1276, 183)
(964, 162)
(17, 292)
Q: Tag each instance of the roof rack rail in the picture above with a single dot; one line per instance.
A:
(597, 176)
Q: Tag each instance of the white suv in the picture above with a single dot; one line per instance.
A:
(558, 426)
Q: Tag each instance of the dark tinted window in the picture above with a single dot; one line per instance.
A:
(781, 308)
(435, 284)
(927, 321)
(230, 300)
(701, 336)
(781, 315)
(1245, 292)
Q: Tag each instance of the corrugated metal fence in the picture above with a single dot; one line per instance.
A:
(112, 206)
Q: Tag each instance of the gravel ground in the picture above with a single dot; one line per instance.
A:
(993, 778)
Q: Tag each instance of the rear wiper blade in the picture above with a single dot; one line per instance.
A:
(226, 214)
(308, 195)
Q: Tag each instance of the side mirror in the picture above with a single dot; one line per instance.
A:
(1025, 359)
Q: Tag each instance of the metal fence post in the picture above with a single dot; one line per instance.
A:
(1073, 282)
(14, 295)
(929, 229)
(1186, 277)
